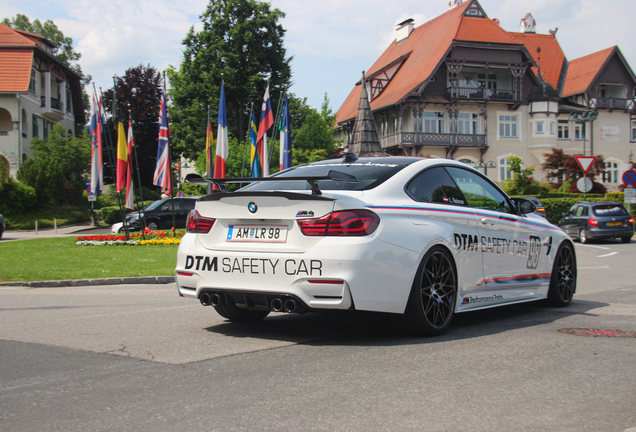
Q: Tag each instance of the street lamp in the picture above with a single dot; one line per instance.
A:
(584, 117)
(489, 164)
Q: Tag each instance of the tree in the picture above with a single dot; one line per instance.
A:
(561, 167)
(58, 167)
(242, 44)
(63, 50)
(139, 91)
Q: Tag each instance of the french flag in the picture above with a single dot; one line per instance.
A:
(285, 139)
(267, 120)
(222, 146)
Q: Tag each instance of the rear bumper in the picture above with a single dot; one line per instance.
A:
(364, 273)
(600, 234)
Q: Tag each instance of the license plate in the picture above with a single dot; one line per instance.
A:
(257, 233)
(614, 223)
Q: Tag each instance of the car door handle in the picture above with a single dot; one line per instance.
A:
(487, 221)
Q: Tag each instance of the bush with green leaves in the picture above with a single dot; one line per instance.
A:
(15, 197)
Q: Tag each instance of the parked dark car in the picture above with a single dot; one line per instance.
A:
(159, 214)
(598, 221)
(540, 211)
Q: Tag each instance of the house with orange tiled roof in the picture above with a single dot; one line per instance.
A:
(461, 87)
(36, 91)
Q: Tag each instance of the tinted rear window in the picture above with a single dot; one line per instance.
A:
(609, 210)
(370, 175)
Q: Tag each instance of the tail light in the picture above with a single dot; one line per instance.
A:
(593, 222)
(631, 221)
(198, 224)
(341, 223)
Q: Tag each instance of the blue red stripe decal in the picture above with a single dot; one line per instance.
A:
(468, 212)
(541, 277)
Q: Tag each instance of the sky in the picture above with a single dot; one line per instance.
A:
(331, 41)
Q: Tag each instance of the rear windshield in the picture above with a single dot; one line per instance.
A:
(370, 175)
(610, 210)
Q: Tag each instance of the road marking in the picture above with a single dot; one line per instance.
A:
(594, 268)
(590, 246)
(615, 309)
(606, 255)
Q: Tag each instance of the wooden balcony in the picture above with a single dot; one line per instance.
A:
(612, 104)
(472, 93)
(426, 139)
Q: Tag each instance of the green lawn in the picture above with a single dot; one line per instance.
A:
(60, 258)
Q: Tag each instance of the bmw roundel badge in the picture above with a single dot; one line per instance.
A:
(252, 207)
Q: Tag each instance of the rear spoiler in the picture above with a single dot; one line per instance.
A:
(332, 175)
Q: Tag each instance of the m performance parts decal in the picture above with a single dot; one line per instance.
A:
(261, 266)
(530, 247)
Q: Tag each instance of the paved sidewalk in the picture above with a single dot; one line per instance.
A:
(81, 229)
(84, 228)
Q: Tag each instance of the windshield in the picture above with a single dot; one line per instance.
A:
(369, 174)
(610, 210)
(155, 204)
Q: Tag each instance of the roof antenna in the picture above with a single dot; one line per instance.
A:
(350, 158)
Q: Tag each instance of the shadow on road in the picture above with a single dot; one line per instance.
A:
(374, 329)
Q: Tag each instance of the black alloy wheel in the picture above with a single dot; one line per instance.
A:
(152, 226)
(431, 304)
(563, 279)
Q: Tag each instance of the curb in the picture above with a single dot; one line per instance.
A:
(90, 282)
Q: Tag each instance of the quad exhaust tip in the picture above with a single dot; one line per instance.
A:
(204, 298)
(277, 305)
(290, 305)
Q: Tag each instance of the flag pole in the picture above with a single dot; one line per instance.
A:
(271, 150)
(174, 219)
(208, 154)
(109, 152)
(117, 119)
(247, 139)
(141, 209)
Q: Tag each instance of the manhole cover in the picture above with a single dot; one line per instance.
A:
(599, 333)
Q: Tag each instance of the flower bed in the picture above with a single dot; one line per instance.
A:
(152, 238)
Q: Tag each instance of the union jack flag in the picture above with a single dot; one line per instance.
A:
(162, 169)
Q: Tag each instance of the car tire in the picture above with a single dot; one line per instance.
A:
(583, 237)
(623, 239)
(234, 313)
(563, 277)
(431, 305)
(152, 226)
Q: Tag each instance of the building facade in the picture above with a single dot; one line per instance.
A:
(36, 92)
(461, 87)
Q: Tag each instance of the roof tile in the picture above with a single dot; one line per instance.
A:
(583, 70)
(15, 69)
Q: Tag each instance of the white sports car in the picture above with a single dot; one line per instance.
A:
(421, 239)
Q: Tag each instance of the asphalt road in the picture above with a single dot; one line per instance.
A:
(138, 357)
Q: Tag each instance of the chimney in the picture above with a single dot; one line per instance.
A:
(528, 24)
(403, 30)
(496, 21)
(453, 3)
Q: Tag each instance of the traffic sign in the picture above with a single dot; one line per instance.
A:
(629, 178)
(584, 184)
(585, 162)
(630, 195)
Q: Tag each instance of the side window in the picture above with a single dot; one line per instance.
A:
(574, 209)
(585, 212)
(188, 204)
(478, 191)
(167, 207)
(435, 186)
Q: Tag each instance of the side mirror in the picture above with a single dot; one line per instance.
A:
(524, 206)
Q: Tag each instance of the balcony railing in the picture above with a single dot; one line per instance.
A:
(612, 103)
(57, 104)
(484, 94)
(433, 139)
